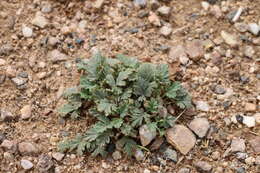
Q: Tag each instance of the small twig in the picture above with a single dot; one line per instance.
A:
(179, 116)
(254, 133)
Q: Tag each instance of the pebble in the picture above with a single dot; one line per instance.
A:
(10, 71)
(218, 89)
(241, 170)
(257, 160)
(215, 155)
(257, 118)
(202, 106)
(170, 154)
(26, 164)
(176, 52)
(216, 11)
(255, 143)
(154, 19)
(166, 31)
(205, 5)
(45, 164)
(2, 62)
(154, 4)
(184, 170)
(249, 121)
(181, 138)
(147, 171)
(237, 14)
(249, 51)
(157, 143)
(164, 10)
(195, 49)
(28, 148)
(23, 74)
(139, 155)
(2, 137)
(18, 81)
(83, 24)
(140, 3)
(229, 39)
(46, 8)
(58, 156)
(199, 126)
(238, 145)
(40, 21)
(253, 28)
(10, 146)
(250, 160)
(6, 49)
(27, 32)
(146, 135)
(26, 112)
(241, 155)
(250, 107)
(98, 4)
(241, 27)
(53, 41)
(117, 155)
(56, 56)
(203, 166)
(6, 115)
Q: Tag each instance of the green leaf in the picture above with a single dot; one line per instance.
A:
(127, 61)
(162, 73)
(128, 130)
(138, 116)
(105, 106)
(70, 91)
(69, 107)
(152, 105)
(173, 89)
(122, 76)
(116, 123)
(110, 80)
(129, 145)
(146, 71)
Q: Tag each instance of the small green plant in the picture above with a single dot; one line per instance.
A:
(122, 94)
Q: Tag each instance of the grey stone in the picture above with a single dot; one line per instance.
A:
(57, 56)
(241, 27)
(58, 156)
(202, 106)
(164, 10)
(6, 115)
(249, 121)
(253, 28)
(18, 81)
(199, 126)
(195, 49)
(40, 21)
(249, 51)
(2, 78)
(240, 170)
(218, 89)
(28, 148)
(10, 146)
(166, 31)
(98, 4)
(26, 164)
(26, 112)
(176, 52)
(2, 137)
(229, 39)
(117, 155)
(203, 166)
(255, 143)
(139, 155)
(140, 3)
(238, 145)
(27, 32)
(46, 8)
(146, 135)
(181, 138)
(6, 49)
(170, 154)
(45, 164)
(241, 155)
(184, 170)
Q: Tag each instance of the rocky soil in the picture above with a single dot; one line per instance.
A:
(212, 46)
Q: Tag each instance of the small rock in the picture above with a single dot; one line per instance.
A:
(27, 148)
(40, 21)
(166, 31)
(157, 143)
(250, 160)
(10, 146)
(83, 24)
(205, 5)
(237, 14)
(184, 170)
(45, 163)
(218, 89)
(195, 49)
(53, 41)
(202, 106)
(117, 155)
(181, 137)
(2, 137)
(216, 11)
(215, 155)
(176, 52)
(249, 51)
(147, 171)
(140, 3)
(238, 145)
(240, 170)
(6, 49)
(27, 32)
(23, 74)
(154, 19)
(98, 4)
(229, 39)
(146, 135)
(255, 143)
(241, 155)
(57, 56)
(164, 10)
(257, 118)
(154, 4)
(58, 156)
(250, 107)
(10, 71)
(139, 155)
(6, 116)
(241, 27)
(170, 154)
(249, 121)
(2, 62)
(18, 81)
(253, 28)
(257, 160)
(26, 112)
(203, 166)
(199, 126)
(26, 164)
(46, 8)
